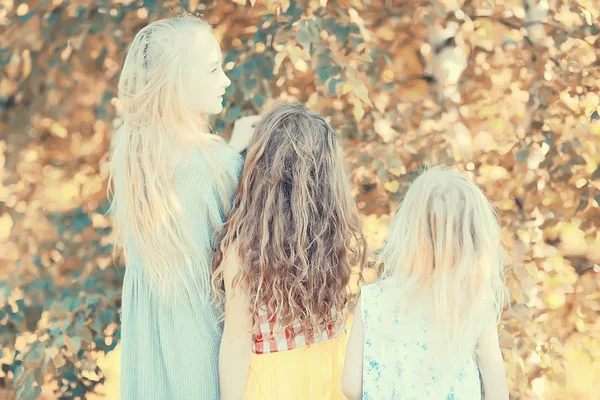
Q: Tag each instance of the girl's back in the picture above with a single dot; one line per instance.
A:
(285, 259)
(428, 328)
(171, 350)
(398, 359)
(171, 182)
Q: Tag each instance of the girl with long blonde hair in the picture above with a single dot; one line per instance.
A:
(172, 182)
(428, 328)
(284, 262)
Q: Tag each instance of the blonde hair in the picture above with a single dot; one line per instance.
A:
(443, 252)
(157, 123)
(294, 222)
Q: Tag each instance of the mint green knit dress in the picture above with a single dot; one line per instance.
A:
(172, 352)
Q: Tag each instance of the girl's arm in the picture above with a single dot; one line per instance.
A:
(236, 346)
(353, 364)
(243, 129)
(491, 364)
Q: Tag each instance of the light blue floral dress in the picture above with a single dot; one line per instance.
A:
(397, 364)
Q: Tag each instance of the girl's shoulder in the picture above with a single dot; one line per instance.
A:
(373, 289)
(218, 158)
(370, 294)
(372, 304)
(219, 153)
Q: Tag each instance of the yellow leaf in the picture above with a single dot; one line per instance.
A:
(462, 145)
(346, 88)
(524, 236)
(70, 345)
(6, 225)
(572, 240)
(362, 93)
(26, 63)
(358, 112)
(383, 127)
(7, 87)
(51, 352)
(66, 53)
(58, 130)
(296, 53)
(387, 76)
(22, 9)
(556, 299)
(397, 171)
(571, 102)
(392, 187)
(104, 262)
(488, 111)
(301, 65)
(100, 221)
(531, 269)
(278, 6)
(494, 172)
(484, 141)
(538, 387)
(279, 57)
(61, 196)
(590, 103)
(517, 296)
(59, 361)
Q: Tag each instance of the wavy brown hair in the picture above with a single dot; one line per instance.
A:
(294, 222)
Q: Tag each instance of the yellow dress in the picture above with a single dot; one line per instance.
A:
(307, 373)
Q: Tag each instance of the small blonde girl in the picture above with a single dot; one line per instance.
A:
(428, 328)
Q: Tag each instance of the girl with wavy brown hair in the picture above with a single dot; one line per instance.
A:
(284, 261)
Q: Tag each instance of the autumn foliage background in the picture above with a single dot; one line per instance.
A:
(505, 90)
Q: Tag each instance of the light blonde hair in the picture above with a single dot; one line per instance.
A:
(157, 123)
(443, 252)
(294, 222)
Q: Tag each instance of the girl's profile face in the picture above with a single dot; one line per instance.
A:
(204, 79)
